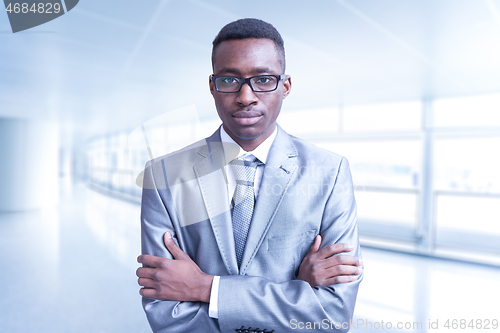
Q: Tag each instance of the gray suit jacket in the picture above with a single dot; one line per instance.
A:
(305, 191)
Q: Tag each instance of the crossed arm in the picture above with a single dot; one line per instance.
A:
(177, 291)
(180, 279)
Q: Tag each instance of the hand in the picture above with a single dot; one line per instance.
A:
(322, 268)
(178, 279)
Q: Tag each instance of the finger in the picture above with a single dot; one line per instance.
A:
(144, 282)
(342, 270)
(172, 247)
(341, 279)
(331, 249)
(150, 260)
(145, 272)
(150, 293)
(315, 246)
(341, 259)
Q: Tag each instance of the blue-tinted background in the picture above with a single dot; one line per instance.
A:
(408, 91)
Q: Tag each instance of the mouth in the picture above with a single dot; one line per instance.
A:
(247, 118)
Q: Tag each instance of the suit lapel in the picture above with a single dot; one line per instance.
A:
(210, 173)
(279, 169)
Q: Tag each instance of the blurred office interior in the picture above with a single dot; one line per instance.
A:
(408, 91)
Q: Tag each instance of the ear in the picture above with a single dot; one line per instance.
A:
(211, 85)
(287, 85)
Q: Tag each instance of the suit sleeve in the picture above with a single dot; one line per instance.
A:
(259, 303)
(166, 316)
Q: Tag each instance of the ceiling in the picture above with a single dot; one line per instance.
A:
(111, 65)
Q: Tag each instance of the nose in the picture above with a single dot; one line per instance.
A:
(246, 96)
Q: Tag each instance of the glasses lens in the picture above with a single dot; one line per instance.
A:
(227, 83)
(264, 83)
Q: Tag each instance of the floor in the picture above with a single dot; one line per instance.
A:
(71, 268)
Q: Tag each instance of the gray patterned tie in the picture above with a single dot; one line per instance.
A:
(243, 201)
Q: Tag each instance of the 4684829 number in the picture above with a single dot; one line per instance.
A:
(484, 324)
(41, 8)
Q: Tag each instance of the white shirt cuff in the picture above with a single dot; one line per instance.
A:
(213, 309)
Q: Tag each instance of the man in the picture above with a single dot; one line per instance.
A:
(261, 218)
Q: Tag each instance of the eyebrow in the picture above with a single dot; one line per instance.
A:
(262, 70)
(231, 70)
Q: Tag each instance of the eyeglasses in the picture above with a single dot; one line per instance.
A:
(259, 83)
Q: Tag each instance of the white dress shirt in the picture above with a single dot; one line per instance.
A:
(261, 153)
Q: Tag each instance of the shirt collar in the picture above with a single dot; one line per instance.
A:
(260, 152)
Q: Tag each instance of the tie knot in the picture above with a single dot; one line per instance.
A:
(244, 170)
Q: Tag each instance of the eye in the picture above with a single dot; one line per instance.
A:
(263, 80)
(228, 80)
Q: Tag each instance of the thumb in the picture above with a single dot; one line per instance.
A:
(315, 246)
(172, 246)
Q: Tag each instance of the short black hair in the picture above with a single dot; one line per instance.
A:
(250, 28)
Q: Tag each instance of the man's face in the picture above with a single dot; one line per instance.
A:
(247, 116)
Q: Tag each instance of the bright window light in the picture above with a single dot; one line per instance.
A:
(467, 111)
(383, 117)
